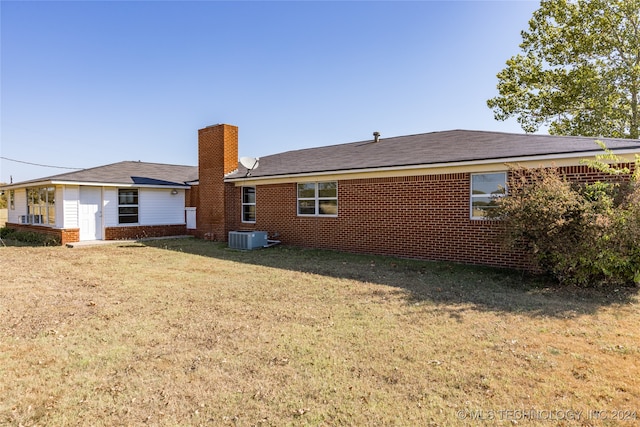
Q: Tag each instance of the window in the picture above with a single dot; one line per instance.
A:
(12, 199)
(318, 198)
(128, 206)
(248, 204)
(41, 205)
(485, 188)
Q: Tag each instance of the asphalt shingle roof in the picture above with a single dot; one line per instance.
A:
(411, 150)
(130, 173)
(425, 149)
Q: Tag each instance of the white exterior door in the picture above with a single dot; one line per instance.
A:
(90, 214)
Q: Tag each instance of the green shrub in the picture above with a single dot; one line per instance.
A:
(582, 234)
(6, 232)
(30, 237)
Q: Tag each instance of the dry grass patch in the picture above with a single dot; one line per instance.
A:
(187, 332)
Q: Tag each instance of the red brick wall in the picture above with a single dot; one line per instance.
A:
(142, 231)
(424, 217)
(585, 175)
(70, 235)
(191, 196)
(217, 156)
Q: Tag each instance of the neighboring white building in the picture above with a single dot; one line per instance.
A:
(117, 201)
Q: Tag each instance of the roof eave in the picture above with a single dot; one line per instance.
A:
(90, 184)
(26, 184)
(404, 168)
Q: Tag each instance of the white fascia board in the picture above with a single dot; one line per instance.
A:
(37, 184)
(497, 161)
(25, 185)
(90, 184)
(119, 185)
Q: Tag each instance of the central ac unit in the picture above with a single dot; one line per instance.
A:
(247, 239)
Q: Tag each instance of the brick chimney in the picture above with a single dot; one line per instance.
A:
(217, 156)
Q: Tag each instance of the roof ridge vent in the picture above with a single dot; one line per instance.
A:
(376, 136)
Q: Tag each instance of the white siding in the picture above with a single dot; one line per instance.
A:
(160, 207)
(20, 205)
(155, 206)
(110, 206)
(67, 210)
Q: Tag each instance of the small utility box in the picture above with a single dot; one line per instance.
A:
(247, 239)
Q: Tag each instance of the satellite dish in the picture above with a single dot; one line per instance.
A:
(250, 163)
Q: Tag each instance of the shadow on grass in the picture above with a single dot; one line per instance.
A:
(441, 283)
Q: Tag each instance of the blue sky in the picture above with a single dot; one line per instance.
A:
(88, 83)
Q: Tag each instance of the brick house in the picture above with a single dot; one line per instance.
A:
(420, 196)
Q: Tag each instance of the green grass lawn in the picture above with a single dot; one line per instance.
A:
(188, 332)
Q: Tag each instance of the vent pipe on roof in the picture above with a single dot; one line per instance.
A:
(376, 136)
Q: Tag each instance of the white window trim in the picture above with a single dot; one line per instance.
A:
(42, 219)
(316, 199)
(243, 204)
(472, 196)
(137, 205)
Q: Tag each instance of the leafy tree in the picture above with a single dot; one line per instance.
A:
(578, 72)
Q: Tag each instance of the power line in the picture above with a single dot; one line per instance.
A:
(37, 164)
